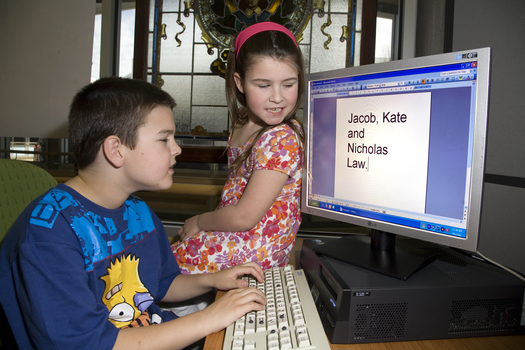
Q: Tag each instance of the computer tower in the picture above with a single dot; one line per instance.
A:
(455, 296)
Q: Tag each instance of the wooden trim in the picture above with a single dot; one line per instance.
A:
(368, 33)
(140, 51)
(193, 154)
(177, 188)
(200, 154)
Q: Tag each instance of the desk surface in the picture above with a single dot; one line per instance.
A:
(515, 342)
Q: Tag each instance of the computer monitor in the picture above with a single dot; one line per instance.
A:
(398, 147)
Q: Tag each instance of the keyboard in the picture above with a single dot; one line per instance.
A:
(289, 321)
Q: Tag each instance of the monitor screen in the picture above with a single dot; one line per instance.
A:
(399, 147)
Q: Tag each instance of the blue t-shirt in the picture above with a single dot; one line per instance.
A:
(72, 273)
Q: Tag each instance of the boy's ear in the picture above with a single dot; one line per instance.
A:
(238, 82)
(112, 148)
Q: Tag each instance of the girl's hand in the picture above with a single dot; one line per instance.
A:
(232, 305)
(190, 227)
(229, 278)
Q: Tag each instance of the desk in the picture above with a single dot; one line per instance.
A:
(514, 342)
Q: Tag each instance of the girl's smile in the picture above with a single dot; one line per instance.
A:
(271, 90)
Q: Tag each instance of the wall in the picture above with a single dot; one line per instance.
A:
(408, 39)
(501, 26)
(45, 60)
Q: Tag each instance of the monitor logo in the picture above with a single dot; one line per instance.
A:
(372, 224)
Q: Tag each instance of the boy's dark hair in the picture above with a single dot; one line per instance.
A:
(111, 106)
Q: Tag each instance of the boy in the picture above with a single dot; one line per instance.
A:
(85, 263)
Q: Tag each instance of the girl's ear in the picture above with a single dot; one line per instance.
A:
(112, 148)
(238, 82)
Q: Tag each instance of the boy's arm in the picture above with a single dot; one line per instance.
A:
(181, 332)
(185, 287)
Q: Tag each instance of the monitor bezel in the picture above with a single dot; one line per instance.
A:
(470, 242)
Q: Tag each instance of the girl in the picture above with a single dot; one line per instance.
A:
(259, 215)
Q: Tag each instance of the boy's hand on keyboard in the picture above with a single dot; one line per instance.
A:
(232, 305)
(229, 278)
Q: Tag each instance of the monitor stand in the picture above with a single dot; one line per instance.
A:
(378, 253)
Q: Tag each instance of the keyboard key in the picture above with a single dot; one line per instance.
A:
(303, 339)
(250, 323)
(282, 320)
(237, 345)
(261, 322)
(239, 328)
(273, 345)
(271, 324)
(249, 345)
(286, 344)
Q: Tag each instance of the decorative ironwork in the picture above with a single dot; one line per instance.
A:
(180, 23)
(159, 33)
(187, 6)
(199, 130)
(327, 24)
(345, 35)
(218, 66)
(319, 6)
(158, 80)
(163, 34)
(220, 20)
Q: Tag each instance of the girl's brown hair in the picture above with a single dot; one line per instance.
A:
(278, 46)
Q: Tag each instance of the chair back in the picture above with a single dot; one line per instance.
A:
(20, 183)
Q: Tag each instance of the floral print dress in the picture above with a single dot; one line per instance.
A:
(270, 241)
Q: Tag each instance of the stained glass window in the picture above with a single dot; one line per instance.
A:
(187, 40)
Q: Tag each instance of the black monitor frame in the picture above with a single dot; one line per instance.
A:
(380, 252)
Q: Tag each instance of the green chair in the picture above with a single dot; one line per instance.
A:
(20, 183)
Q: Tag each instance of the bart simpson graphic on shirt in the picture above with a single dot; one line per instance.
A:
(125, 296)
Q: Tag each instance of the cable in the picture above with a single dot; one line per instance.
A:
(501, 266)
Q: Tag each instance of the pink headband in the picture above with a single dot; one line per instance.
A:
(246, 33)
